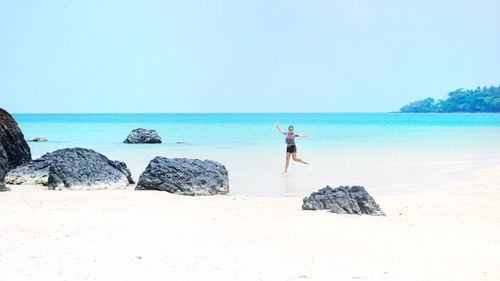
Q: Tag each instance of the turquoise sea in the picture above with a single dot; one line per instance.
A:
(251, 147)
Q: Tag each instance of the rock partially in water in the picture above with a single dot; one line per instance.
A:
(38, 139)
(141, 135)
(75, 168)
(185, 176)
(343, 200)
(14, 150)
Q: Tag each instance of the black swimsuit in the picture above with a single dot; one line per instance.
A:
(290, 143)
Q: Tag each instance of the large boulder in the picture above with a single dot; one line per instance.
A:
(14, 150)
(75, 168)
(343, 200)
(185, 176)
(143, 136)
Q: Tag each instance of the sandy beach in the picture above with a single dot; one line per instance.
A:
(249, 140)
(450, 233)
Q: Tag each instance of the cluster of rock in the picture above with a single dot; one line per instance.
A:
(185, 176)
(141, 135)
(14, 150)
(80, 168)
(343, 200)
(74, 168)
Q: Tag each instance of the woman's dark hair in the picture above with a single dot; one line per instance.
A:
(290, 127)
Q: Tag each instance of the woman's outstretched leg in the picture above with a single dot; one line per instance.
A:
(294, 156)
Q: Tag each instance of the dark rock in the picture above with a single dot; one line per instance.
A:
(343, 200)
(76, 168)
(4, 167)
(185, 176)
(143, 136)
(38, 139)
(14, 150)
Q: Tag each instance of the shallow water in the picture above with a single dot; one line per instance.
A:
(386, 152)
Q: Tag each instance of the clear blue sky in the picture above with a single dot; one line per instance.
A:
(242, 56)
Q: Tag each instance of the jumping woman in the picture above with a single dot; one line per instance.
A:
(291, 149)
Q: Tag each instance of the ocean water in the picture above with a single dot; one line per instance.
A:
(384, 150)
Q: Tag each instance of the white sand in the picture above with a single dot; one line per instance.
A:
(450, 234)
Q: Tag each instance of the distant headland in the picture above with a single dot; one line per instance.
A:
(478, 100)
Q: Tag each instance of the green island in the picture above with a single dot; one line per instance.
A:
(478, 100)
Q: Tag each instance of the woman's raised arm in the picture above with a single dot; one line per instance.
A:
(278, 127)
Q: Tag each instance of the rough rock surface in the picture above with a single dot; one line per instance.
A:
(143, 136)
(76, 168)
(185, 176)
(14, 150)
(343, 200)
(3, 168)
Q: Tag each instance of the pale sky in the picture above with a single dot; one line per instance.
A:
(242, 56)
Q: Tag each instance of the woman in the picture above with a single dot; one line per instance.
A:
(291, 149)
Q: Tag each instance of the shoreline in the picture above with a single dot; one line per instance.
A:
(302, 180)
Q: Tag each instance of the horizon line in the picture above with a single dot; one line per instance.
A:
(249, 112)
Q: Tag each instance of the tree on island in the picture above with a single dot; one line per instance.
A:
(478, 100)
